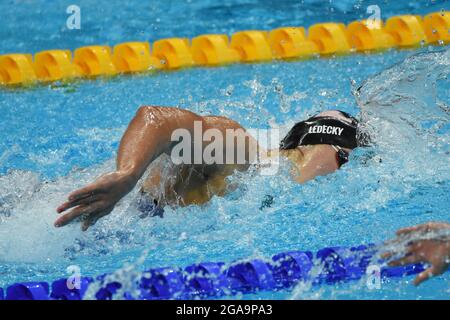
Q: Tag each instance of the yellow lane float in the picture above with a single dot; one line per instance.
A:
(252, 45)
(217, 49)
(212, 50)
(291, 42)
(329, 37)
(94, 61)
(369, 35)
(173, 53)
(16, 68)
(437, 27)
(54, 65)
(406, 30)
(134, 57)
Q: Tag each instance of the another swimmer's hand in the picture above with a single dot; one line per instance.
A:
(423, 228)
(435, 252)
(95, 200)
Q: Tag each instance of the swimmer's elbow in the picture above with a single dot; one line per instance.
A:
(151, 115)
(165, 113)
(144, 111)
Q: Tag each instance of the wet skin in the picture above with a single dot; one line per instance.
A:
(147, 140)
(434, 250)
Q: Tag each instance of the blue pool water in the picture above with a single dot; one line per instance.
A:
(56, 138)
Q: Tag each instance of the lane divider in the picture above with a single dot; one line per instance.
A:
(173, 53)
(329, 37)
(134, 57)
(213, 50)
(217, 49)
(363, 35)
(406, 30)
(291, 42)
(215, 279)
(54, 65)
(252, 45)
(94, 61)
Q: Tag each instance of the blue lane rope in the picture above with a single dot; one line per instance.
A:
(214, 279)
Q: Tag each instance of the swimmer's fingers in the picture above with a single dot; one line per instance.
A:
(414, 254)
(83, 196)
(409, 230)
(77, 212)
(394, 242)
(93, 218)
(68, 217)
(409, 259)
(85, 192)
(426, 227)
(387, 255)
(101, 185)
(427, 274)
(390, 246)
(83, 201)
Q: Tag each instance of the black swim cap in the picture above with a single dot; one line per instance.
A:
(338, 130)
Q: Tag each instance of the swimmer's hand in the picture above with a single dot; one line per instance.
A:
(434, 251)
(95, 200)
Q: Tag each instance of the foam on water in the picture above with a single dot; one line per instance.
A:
(408, 126)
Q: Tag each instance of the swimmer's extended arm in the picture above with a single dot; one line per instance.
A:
(147, 136)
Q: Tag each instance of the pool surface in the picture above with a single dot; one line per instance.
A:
(57, 138)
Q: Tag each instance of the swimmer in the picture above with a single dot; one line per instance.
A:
(426, 243)
(317, 146)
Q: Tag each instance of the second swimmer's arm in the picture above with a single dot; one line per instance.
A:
(147, 136)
